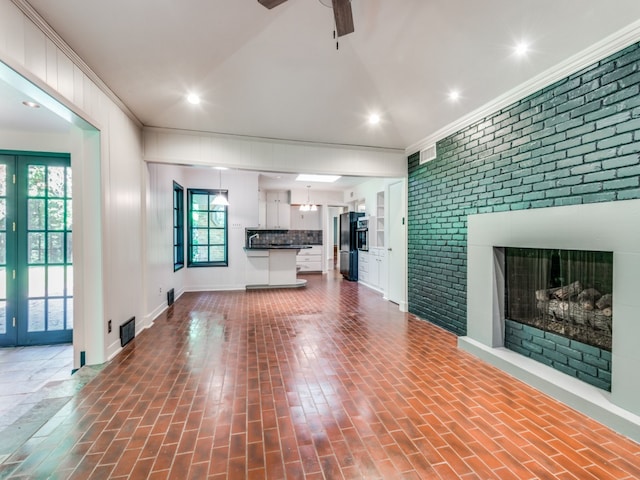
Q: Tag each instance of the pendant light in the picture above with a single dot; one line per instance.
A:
(308, 207)
(220, 199)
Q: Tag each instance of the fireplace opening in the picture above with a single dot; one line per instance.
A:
(566, 292)
(559, 310)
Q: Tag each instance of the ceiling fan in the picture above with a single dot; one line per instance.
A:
(341, 12)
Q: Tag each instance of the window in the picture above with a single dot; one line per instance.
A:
(178, 227)
(207, 229)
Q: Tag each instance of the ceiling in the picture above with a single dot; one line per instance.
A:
(15, 115)
(277, 73)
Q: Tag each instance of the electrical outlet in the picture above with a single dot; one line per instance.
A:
(109, 327)
(160, 290)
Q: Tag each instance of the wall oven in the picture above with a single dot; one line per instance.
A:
(362, 234)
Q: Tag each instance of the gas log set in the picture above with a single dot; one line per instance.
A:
(571, 310)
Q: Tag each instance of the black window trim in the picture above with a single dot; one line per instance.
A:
(211, 192)
(178, 226)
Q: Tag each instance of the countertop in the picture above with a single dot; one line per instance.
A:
(278, 247)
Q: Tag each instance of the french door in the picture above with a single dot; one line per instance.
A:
(36, 272)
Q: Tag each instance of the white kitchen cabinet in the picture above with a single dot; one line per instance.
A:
(375, 275)
(309, 259)
(257, 267)
(278, 210)
(272, 268)
(363, 266)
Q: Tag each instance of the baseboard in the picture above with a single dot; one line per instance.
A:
(215, 288)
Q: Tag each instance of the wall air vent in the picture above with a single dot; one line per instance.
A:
(127, 331)
(428, 153)
(170, 297)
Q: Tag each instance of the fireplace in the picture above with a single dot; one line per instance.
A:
(565, 299)
(565, 228)
(568, 292)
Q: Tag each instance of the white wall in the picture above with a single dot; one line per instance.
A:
(243, 213)
(108, 227)
(35, 142)
(160, 276)
(207, 149)
(123, 245)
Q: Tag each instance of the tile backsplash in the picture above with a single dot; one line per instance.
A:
(283, 237)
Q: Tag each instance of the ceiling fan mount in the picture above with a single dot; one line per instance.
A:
(341, 13)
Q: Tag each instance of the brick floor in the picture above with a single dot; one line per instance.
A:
(325, 382)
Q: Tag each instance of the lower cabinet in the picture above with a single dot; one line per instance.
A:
(363, 266)
(309, 259)
(372, 268)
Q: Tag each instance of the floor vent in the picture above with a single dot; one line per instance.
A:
(127, 331)
(170, 297)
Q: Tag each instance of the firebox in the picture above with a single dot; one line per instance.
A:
(567, 292)
(559, 309)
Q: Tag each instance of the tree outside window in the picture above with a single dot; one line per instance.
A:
(207, 228)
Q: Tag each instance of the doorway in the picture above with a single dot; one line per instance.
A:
(332, 236)
(36, 271)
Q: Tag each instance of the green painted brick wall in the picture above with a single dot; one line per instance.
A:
(590, 364)
(574, 142)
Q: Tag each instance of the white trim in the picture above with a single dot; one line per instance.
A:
(216, 288)
(608, 46)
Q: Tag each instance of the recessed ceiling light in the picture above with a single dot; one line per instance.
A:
(193, 99)
(374, 119)
(521, 49)
(30, 104)
(454, 95)
(221, 168)
(303, 177)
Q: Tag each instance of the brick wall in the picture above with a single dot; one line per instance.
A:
(589, 364)
(576, 141)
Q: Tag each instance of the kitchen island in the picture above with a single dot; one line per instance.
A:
(273, 266)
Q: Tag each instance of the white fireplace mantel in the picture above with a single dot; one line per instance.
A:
(568, 228)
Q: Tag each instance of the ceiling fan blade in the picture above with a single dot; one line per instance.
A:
(343, 16)
(271, 3)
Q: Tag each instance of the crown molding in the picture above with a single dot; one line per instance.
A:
(57, 40)
(600, 50)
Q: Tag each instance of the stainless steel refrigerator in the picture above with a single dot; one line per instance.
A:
(348, 246)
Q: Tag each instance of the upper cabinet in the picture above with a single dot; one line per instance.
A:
(278, 211)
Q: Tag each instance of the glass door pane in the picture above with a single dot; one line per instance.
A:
(46, 275)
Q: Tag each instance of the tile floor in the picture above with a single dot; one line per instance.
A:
(326, 382)
(23, 373)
